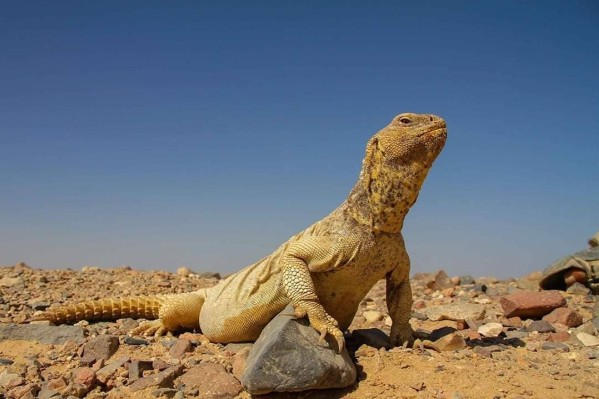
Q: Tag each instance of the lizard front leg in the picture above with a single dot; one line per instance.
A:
(399, 302)
(312, 254)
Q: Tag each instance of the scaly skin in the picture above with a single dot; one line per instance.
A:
(324, 271)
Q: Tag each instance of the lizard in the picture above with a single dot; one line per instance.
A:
(324, 272)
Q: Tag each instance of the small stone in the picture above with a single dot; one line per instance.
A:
(237, 347)
(587, 339)
(9, 282)
(596, 316)
(466, 280)
(5, 362)
(84, 376)
(555, 346)
(10, 380)
(26, 391)
(100, 347)
(560, 336)
(540, 326)
(163, 379)
(471, 334)
(129, 340)
(106, 372)
(47, 393)
(279, 358)
(180, 347)
(515, 322)
(566, 316)
(184, 271)
(212, 380)
(209, 275)
(485, 351)
(372, 316)
(38, 305)
(440, 281)
(461, 324)
(419, 386)
(77, 390)
(456, 311)
(480, 288)
(490, 329)
(516, 334)
(57, 384)
(239, 361)
(450, 342)
(168, 392)
(530, 304)
(159, 364)
(368, 351)
(137, 367)
(578, 289)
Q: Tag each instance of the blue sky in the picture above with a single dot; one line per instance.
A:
(161, 134)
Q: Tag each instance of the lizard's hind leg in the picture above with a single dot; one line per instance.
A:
(177, 311)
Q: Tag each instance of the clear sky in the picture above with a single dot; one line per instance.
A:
(161, 134)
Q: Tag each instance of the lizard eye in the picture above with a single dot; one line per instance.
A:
(404, 120)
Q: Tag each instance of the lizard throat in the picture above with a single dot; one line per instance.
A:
(383, 202)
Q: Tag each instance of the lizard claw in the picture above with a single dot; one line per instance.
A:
(322, 322)
(401, 337)
(148, 328)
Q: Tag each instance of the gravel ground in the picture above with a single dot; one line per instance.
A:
(467, 347)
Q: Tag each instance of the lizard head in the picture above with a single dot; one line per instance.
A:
(410, 138)
(397, 161)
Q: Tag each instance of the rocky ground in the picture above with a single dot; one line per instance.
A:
(477, 338)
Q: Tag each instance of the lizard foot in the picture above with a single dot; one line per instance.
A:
(402, 337)
(147, 328)
(321, 321)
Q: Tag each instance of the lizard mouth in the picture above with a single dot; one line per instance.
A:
(438, 131)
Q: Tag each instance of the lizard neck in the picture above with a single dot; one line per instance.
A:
(383, 195)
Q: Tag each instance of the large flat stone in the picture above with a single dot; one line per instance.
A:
(49, 335)
(287, 357)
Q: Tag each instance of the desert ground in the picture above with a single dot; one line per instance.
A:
(467, 346)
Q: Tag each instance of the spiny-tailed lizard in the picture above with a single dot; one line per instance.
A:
(323, 271)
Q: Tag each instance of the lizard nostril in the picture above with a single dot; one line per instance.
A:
(431, 118)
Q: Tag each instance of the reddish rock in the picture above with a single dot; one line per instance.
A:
(560, 336)
(57, 384)
(163, 379)
(106, 372)
(461, 324)
(566, 316)
(530, 304)
(160, 364)
(137, 367)
(514, 322)
(25, 391)
(84, 376)
(450, 342)
(471, 334)
(239, 362)
(100, 347)
(540, 326)
(211, 380)
(180, 347)
(440, 281)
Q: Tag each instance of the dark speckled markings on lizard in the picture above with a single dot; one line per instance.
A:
(323, 271)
